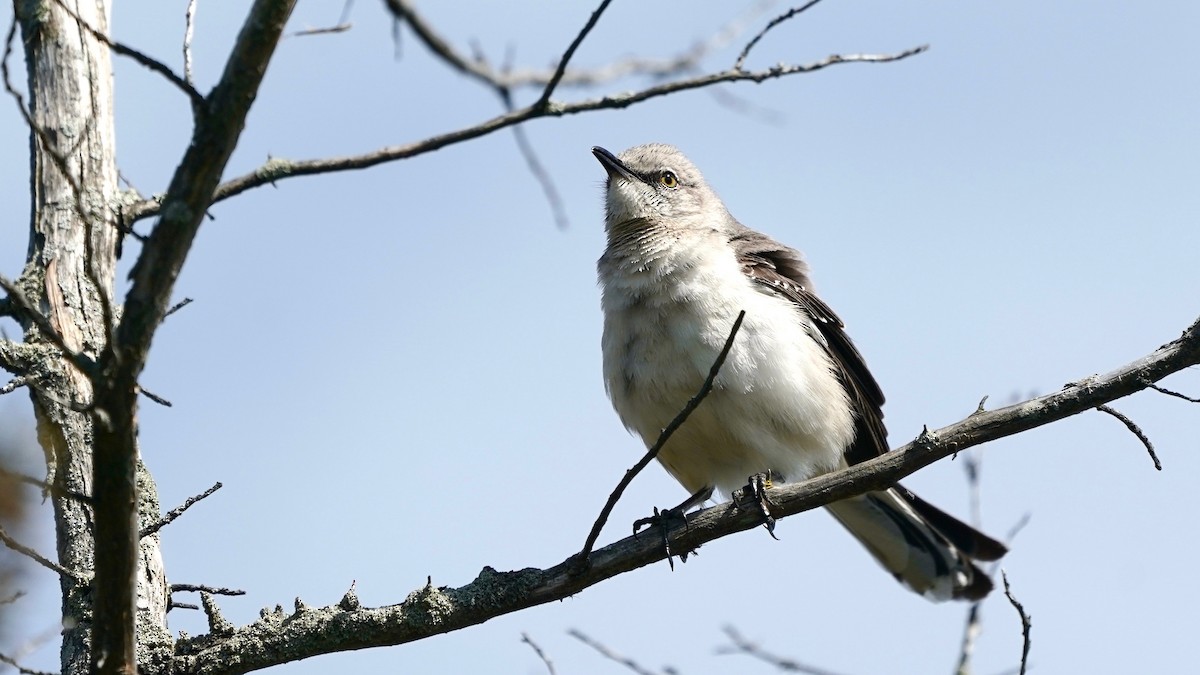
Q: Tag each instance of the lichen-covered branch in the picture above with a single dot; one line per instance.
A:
(278, 637)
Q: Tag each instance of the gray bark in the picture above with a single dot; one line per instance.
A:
(69, 277)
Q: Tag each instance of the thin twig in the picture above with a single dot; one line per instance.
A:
(39, 558)
(144, 60)
(1136, 431)
(1026, 624)
(14, 384)
(177, 511)
(741, 59)
(12, 598)
(743, 646)
(544, 100)
(608, 653)
(154, 397)
(201, 588)
(328, 30)
(662, 440)
(1169, 392)
(538, 650)
(536, 168)
(189, 18)
(4, 658)
(177, 306)
(17, 297)
(52, 488)
(1016, 528)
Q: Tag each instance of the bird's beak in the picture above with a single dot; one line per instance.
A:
(615, 167)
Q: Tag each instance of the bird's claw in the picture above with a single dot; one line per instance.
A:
(754, 495)
(663, 518)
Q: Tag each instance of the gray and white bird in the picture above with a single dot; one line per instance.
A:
(794, 398)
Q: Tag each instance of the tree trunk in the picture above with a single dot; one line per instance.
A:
(69, 276)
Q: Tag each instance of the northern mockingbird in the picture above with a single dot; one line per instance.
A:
(794, 398)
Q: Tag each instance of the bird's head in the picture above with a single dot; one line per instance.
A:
(656, 184)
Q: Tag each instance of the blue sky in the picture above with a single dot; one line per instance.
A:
(396, 372)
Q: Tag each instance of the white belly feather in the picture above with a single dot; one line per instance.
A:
(776, 404)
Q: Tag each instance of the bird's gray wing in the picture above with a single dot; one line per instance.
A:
(783, 271)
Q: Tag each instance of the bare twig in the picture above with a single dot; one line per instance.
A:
(1016, 528)
(608, 653)
(1026, 624)
(4, 658)
(670, 429)
(741, 59)
(971, 632)
(538, 650)
(201, 588)
(328, 30)
(535, 166)
(177, 511)
(153, 64)
(154, 397)
(14, 384)
(177, 306)
(745, 107)
(684, 62)
(1135, 430)
(743, 646)
(17, 546)
(189, 18)
(278, 169)
(17, 297)
(12, 598)
(1169, 392)
(544, 100)
(52, 488)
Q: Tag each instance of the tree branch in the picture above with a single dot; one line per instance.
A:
(544, 100)
(743, 646)
(40, 559)
(183, 84)
(153, 279)
(478, 69)
(178, 511)
(276, 638)
(1026, 624)
(278, 169)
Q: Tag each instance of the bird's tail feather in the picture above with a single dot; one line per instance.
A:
(925, 548)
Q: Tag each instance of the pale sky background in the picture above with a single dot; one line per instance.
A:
(396, 372)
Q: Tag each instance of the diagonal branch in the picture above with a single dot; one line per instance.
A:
(182, 83)
(278, 169)
(544, 100)
(1135, 430)
(741, 59)
(40, 559)
(478, 69)
(667, 432)
(219, 123)
(276, 638)
(1026, 623)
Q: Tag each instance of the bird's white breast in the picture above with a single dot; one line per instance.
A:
(776, 404)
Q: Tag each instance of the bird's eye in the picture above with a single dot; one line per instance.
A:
(668, 179)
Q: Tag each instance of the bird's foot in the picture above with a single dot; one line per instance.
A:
(754, 496)
(663, 519)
